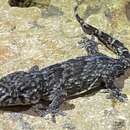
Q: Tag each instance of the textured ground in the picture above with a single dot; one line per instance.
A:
(45, 35)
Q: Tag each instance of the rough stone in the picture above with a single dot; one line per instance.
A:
(34, 35)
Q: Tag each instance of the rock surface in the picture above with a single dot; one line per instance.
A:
(49, 34)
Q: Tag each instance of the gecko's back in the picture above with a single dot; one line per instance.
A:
(20, 88)
(73, 76)
(76, 75)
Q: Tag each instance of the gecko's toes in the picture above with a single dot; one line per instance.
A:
(53, 113)
(122, 98)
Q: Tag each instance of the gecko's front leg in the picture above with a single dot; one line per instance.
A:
(90, 45)
(56, 97)
(114, 91)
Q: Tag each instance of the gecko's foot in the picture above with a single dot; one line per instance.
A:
(118, 96)
(53, 113)
(122, 98)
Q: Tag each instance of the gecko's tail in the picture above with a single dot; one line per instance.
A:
(90, 30)
(113, 44)
(79, 19)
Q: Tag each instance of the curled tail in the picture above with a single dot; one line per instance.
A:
(113, 44)
(85, 27)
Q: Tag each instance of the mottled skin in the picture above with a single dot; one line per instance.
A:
(59, 81)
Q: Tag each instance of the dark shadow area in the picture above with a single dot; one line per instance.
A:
(24, 109)
(29, 3)
(119, 82)
(28, 109)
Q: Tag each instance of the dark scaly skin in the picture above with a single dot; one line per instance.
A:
(20, 88)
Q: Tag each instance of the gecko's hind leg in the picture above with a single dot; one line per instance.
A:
(53, 108)
(58, 96)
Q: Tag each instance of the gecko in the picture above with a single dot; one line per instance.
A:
(59, 81)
